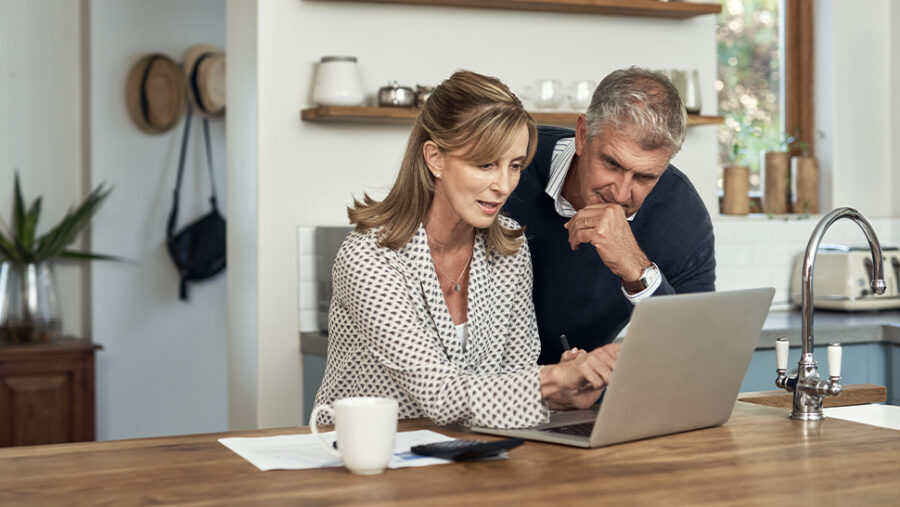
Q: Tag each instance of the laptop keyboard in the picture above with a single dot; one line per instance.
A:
(581, 429)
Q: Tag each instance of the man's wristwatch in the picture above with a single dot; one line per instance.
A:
(648, 278)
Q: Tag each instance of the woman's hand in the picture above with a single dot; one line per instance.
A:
(569, 399)
(579, 376)
(571, 354)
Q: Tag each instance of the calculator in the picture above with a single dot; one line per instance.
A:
(459, 449)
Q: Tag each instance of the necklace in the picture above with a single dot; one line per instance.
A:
(456, 286)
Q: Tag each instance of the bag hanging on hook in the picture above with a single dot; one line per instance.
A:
(198, 249)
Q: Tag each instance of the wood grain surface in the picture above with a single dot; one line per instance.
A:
(646, 8)
(855, 394)
(758, 457)
(372, 114)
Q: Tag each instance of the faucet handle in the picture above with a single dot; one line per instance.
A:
(834, 360)
(781, 354)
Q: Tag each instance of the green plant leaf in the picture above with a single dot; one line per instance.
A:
(8, 251)
(26, 235)
(53, 243)
(78, 255)
(18, 208)
(18, 243)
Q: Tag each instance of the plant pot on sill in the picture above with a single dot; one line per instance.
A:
(29, 304)
(776, 179)
(805, 184)
(736, 190)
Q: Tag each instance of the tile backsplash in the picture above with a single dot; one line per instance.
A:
(750, 252)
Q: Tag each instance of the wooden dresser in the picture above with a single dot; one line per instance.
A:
(47, 392)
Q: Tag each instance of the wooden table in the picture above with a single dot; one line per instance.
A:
(758, 457)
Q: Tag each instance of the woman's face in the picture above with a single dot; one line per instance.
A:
(472, 193)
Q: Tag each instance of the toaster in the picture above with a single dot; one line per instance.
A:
(842, 279)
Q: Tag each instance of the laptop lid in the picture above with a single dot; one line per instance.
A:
(681, 367)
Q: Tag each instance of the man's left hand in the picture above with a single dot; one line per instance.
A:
(606, 228)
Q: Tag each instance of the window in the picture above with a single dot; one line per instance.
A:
(764, 82)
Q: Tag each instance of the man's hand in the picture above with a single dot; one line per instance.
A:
(606, 228)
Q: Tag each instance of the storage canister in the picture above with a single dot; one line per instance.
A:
(338, 82)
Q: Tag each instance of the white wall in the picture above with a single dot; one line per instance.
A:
(163, 369)
(243, 131)
(854, 71)
(40, 123)
(894, 100)
(308, 172)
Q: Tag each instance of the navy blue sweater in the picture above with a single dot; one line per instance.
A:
(574, 292)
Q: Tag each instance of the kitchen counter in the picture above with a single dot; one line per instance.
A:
(828, 327)
(833, 327)
(758, 457)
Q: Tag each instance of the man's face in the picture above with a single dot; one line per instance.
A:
(612, 168)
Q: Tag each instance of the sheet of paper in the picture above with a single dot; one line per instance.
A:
(294, 452)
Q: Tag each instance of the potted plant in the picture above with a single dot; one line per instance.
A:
(29, 307)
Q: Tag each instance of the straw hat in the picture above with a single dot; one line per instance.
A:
(154, 93)
(204, 72)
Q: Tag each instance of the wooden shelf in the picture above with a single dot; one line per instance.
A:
(644, 8)
(395, 115)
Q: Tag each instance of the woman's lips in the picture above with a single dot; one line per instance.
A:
(489, 208)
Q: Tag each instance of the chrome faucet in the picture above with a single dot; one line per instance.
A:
(809, 389)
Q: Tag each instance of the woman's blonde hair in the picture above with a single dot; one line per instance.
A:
(468, 110)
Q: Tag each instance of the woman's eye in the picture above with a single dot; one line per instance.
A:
(487, 166)
(517, 167)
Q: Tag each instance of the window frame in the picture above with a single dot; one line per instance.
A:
(799, 75)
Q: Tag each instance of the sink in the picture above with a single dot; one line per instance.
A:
(884, 416)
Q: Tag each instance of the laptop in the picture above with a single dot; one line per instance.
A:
(681, 366)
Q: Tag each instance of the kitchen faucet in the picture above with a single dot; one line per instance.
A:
(809, 389)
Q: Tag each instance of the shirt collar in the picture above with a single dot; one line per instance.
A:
(560, 161)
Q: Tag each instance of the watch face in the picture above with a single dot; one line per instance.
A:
(649, 276)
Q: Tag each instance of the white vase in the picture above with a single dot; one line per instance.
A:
(29, 304)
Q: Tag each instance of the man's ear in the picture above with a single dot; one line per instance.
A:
(434, 158)
(580, 134)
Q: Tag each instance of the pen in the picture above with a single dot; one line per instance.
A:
(564, 341)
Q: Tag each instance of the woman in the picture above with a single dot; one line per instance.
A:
(432, 290)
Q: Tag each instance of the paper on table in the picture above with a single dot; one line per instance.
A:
(294, 452)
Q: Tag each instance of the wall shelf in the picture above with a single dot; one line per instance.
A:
(644, 8)
(400, 115)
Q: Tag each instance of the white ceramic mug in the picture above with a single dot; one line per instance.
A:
(364, 429)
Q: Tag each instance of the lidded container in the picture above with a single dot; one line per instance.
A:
(338, 82)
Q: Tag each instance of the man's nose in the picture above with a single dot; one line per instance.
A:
(622, 189)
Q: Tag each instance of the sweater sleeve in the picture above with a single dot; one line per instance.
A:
(387, 317)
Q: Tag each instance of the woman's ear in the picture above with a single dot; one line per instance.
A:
(434, 158)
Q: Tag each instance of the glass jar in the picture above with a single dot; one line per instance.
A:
(29, 304)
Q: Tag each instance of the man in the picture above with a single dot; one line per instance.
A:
(609, 221)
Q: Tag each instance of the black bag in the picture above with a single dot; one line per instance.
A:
(198, 249)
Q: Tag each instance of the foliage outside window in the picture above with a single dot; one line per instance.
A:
(749, 82)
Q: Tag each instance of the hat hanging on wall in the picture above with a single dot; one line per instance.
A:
(204, 72)
(154, 93)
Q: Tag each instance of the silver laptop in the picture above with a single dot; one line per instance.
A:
(681, 366)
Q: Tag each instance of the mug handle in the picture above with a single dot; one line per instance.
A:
(313, 418)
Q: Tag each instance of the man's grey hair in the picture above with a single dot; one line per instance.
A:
(643, 105)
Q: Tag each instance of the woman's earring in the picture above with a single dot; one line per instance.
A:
(437, 175)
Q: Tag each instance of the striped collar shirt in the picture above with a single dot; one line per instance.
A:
(560, 161)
